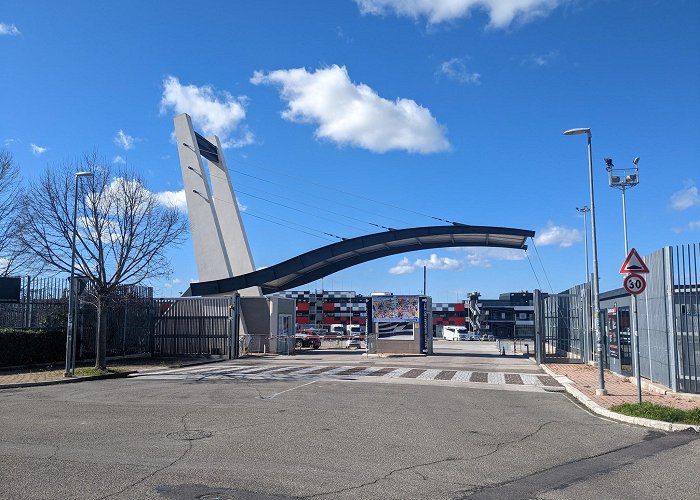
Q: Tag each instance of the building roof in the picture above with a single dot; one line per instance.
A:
(330, 259)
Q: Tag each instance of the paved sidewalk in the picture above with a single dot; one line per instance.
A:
(620, 390)
(54, 373)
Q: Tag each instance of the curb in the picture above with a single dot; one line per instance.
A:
(596, 408)
(74, 380)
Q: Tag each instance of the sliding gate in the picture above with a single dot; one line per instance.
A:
(190, 325)
(561, 326)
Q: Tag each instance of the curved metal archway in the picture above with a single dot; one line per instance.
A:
(330, 259)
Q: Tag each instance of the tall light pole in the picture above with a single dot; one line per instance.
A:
(623, 179)
(584, 211)
(70, 334)
(600, 391)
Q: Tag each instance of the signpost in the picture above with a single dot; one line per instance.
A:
(633, 267)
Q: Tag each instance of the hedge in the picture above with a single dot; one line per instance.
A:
(31, 346)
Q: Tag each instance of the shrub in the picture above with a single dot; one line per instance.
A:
(31, 346)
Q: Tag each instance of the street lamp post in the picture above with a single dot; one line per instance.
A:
(623, 179)
(70, 334)
(584, 211)
(600, 391)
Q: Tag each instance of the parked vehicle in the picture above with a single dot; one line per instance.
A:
(355, 330)
(307, 338)
(337, 329)
(474, 336)
(455, 333)
(353, 342)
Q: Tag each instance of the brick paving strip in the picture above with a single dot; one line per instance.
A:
(445, 375)
(351, 371)
(320, 370)
(479, 377)
(548, 381)
(513, 378)
(380, 373)
(256, 369)
(412, 373)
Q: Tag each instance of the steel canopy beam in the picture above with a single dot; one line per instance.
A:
(329, 259)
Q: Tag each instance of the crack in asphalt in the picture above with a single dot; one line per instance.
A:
(161, 469)
(586, 467)
(386, 476)
(425, 477)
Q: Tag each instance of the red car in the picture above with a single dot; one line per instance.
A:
(307, 338)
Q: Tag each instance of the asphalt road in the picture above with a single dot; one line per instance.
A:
(263, 438)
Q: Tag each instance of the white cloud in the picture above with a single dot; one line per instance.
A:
(174, 199)
(403, 267)
(212, 112)
(473, 257)
(118, 160)
(178, 200)
(38, 150)
(484, 256)
(558, 235)
(177, 281)
(685, 198)
(246, 138)
(456, 70)
(165, 285)
(124, 141)
(541, 59)
(693, 225)
(442, 263)
(348, 113)
(502, 13)
(9, 30)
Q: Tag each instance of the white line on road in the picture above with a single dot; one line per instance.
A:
(287, 390)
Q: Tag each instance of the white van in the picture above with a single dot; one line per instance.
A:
(455, 333)
(355, 330)
(337, 329)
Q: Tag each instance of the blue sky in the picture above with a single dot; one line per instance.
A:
(382, 110)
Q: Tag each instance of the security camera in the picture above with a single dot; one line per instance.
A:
(636, 161)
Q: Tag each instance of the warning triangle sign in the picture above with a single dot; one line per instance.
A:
(633, 264)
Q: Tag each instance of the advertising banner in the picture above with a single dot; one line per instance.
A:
(395, 309)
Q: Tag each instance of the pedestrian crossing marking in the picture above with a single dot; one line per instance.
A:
(297, 372)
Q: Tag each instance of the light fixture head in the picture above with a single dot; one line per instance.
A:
(636, 161)
(84, 174)
(608, 163)
(577, 131)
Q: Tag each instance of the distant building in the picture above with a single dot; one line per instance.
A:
(511, 314)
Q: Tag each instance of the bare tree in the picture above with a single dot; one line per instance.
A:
(123, 231)
(11, 255)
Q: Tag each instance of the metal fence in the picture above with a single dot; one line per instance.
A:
(43, 303)
(686, 317)
(192, 325)
(667, 322)
(562, 325)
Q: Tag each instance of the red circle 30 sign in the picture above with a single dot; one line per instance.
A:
(635, 283)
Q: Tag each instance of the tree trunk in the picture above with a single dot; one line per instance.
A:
(101, 336)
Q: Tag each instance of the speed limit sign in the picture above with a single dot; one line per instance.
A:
(635, 283)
